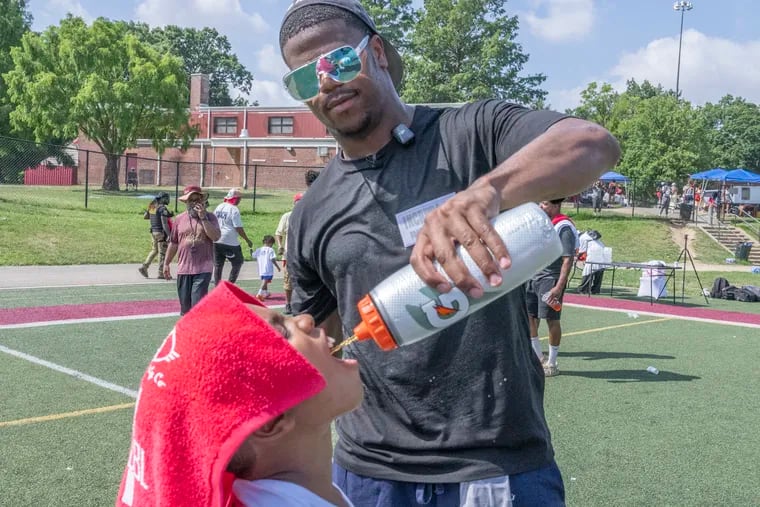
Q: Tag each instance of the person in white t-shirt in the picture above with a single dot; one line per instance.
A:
(235, 410)
(228, 245)
(267, 259)
(591, 248)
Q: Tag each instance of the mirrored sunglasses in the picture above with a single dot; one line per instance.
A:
(342, 65)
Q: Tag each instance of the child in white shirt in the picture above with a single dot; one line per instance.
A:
(266, 258)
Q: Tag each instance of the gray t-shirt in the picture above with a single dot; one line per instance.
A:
(464, 404)
(568, 239)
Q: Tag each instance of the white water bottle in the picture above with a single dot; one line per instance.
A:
(402, 309)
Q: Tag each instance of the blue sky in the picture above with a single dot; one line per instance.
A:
(573, 42)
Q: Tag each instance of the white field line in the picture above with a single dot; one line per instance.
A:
(80, 299)
(68, 371)
(111, 284)
(76, 285)
(44, 323)
(75, 373)
(658, 314)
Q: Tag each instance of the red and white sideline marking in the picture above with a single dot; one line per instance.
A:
(708, 315)
(38, 316)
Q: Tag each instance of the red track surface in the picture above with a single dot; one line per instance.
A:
(99, 310)
(674, 310)
(124, 309)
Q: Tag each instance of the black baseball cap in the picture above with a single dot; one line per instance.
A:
(395, 66)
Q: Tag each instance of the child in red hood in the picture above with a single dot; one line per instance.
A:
(235, 409)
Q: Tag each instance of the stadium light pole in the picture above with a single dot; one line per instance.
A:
(682, 6)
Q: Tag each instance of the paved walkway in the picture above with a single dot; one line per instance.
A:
(17, 277)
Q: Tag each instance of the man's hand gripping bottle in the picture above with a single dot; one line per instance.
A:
(402, 309)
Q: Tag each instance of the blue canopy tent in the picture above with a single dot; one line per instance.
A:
(617, 178)
(715, 174)
(710, 175)
(613, 176)
(725, 181)
(610, 176)
(740, 176)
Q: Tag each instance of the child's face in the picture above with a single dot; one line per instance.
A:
(344, 391)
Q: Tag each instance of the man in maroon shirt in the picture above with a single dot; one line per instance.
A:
(193, 236)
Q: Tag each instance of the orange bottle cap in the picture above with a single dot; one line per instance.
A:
(372, 325)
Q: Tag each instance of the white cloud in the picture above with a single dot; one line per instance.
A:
(271, 93)
(269, 62)
(222, 14)
(72, 6)
(562, 19)
(560, 100)
(711, 67)
(55, 10)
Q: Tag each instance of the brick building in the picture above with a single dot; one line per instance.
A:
(236, 146)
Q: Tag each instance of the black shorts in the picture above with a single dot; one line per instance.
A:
(537, 287)
(233, 253)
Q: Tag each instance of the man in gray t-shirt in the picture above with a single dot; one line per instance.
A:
(460, 414)
(545, 290)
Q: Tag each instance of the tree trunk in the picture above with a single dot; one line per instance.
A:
(111, 174)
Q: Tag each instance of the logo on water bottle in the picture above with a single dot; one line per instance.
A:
(441, 310)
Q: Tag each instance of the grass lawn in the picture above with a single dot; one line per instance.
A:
(631, 239)
(752, 230)
(54, 228)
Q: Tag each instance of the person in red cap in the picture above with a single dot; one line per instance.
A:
(235, 408)
(281, 237)
(192, 239)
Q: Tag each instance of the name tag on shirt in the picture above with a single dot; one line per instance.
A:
(411, 221)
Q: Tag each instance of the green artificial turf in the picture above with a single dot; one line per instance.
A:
(684, 437)
(622, 436)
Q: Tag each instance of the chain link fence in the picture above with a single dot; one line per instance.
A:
(72, 177)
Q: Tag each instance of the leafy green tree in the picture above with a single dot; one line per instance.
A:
(395, 19)
(102, 81)
(646, 90)
(15, 20)
(540, 103)
(18, 154)
(463, 50)
(627, 102)
(205, 51)
(597, 104)
(734, 133)
(664, 140)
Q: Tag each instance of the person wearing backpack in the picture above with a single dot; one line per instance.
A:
(160, 230)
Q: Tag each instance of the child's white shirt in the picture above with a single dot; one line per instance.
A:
(265, 257)
(279, 493)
